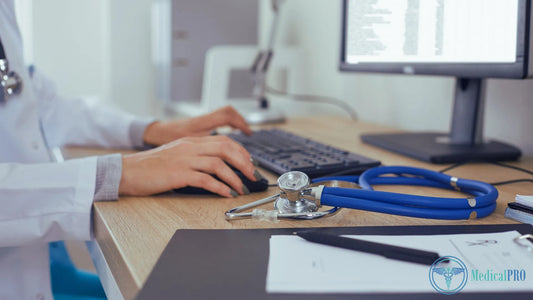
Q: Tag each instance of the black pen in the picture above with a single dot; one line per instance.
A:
(389, 251)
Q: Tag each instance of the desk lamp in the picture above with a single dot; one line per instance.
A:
(264, 113)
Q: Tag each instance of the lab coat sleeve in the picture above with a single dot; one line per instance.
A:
(108, 175)
(82, 121)
(46, 202)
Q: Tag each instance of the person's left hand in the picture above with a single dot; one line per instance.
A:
(162, 132)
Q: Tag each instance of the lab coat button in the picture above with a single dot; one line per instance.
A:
(35, 145)
(39, 297)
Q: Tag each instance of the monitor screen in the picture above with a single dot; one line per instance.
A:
(466, 38)
(471, 40)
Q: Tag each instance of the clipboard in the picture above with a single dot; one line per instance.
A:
(232, 263)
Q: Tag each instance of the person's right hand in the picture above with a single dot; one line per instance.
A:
(187, 162)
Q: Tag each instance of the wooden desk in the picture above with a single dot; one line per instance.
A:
(133, 231)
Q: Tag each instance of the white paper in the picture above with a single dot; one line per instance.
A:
(298, 266)
(524, 200)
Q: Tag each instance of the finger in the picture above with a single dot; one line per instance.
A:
(236, 120)
(218, 167)
(229, 116)
(217, 146)
(207, 182)
(231, 152)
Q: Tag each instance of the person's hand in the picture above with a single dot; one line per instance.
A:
(187, 162)
(159, 133)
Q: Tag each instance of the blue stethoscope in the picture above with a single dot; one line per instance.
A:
(300, 199)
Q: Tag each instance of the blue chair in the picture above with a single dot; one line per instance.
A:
(69, 283)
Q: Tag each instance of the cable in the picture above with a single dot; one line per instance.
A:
(452, 167)
(512, 167)
(512, 181)
(317, 99)
(501, 165)
(491, 162)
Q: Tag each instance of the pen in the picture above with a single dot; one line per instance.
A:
(389, 251)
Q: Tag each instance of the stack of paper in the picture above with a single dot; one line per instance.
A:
(521, 210)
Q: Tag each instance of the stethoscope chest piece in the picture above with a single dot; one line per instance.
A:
(297, 199)
(10, 82)
(290, 198)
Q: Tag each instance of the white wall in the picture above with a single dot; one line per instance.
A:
(132, 70)
(71, 45)
(98, 48)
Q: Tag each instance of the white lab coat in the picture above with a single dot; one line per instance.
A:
(42, 201)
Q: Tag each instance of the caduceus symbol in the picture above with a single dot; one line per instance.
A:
(448, 273)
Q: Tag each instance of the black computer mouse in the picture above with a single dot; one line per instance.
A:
(253, 186)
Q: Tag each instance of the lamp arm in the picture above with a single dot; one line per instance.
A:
(264, 57)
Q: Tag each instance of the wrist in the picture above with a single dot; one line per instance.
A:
(124, 187)
(151, 136)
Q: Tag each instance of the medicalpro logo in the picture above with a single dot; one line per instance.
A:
(448, 275)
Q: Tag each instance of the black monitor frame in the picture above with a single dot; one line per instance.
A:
(465, 141)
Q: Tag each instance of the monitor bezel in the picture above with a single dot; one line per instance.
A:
(519, 69)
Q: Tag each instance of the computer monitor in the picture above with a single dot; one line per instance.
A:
(471, 40)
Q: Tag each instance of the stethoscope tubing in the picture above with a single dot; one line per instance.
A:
(368, 176)
(483, 204)
(407, 199)
(405, 181)
(409, 211)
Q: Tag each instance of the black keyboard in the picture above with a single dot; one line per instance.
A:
(280, 151)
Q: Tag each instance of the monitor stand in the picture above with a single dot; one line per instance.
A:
(464, 143)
